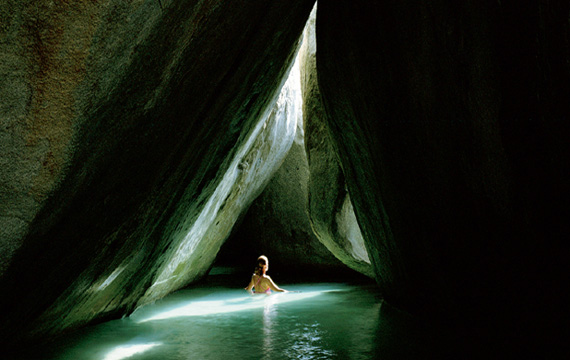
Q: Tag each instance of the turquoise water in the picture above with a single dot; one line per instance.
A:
(316, 321)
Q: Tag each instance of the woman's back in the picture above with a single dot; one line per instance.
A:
(262, 284)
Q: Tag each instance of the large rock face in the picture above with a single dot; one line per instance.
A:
(304, 216)
(329, 207)
(277, 224)
(450, 120)
(124, 128)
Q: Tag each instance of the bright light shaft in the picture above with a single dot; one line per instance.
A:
(125, 351)
(200, 308)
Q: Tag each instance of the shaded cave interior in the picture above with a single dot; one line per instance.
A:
(437, 129)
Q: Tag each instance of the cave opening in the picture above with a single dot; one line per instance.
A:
(303, 218)
(306, 245)
(135, 135)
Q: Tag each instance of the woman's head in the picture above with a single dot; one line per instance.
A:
(262, 265)
(263, 260)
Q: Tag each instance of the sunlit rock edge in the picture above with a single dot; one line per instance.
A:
(304, 220)
(198, 236)
(329, 207)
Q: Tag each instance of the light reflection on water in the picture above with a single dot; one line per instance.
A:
(126, 351)
(223, 303)
(320, 321)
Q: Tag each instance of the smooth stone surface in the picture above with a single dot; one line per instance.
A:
(329, 207)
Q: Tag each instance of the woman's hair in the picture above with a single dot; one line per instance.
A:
(261, 262)
(258, 270)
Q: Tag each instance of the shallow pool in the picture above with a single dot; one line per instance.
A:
(315, 321)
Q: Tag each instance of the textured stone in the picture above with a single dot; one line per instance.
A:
(196, 241)
(277, 224)
(329, 206)
(194, 234)
(304, 216)
(119, 122)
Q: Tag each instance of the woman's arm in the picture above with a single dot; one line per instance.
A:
(250, 286)
(274, 286)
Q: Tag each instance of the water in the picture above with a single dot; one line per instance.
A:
(316, 321)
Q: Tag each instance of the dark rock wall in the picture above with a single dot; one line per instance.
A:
(115, 112)
(450, 122)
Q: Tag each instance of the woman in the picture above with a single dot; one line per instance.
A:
(259, 281)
